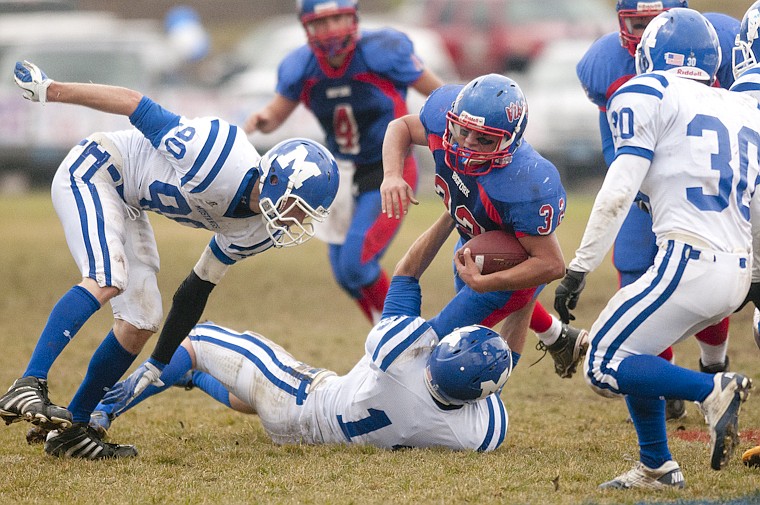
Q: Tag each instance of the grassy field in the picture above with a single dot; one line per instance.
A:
(563, 440)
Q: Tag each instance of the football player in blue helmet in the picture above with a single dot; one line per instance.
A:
(655, 117)
(355, 81)
(199, 172)
(607, 65)
(485, 125)
(635, 15)
(489, 178)
(683, 42)
(747, 48)
(299, 181)
(467, 365)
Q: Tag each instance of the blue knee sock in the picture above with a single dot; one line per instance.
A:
(67, 317)
(212, 387)
(179, 365)
(648, 416)
(653, 377)
(107, 365)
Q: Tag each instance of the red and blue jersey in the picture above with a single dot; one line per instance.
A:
(355, 103)
(607, 65)
(604, 68)
(525, 197)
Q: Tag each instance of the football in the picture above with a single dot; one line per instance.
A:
(494, 251)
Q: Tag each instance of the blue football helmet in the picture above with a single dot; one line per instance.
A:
(682, 42)
(467, 365)
(747, 41)
(634, 15)
(491, 105)
(335, 42)
(297, 184)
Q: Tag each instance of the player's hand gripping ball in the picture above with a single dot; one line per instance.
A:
(494, 251)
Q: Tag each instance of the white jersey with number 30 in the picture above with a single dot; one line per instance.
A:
(702, 180)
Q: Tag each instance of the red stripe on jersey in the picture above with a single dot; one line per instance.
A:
(615, 86)
(517, 301)
(388, 89)
(305, 97)
(435, 143)
(491, 211)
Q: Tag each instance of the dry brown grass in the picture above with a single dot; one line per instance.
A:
(193, 450)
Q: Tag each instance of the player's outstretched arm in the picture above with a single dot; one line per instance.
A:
(39, 88)
(423, 250)
(427, 83)
(395, 192)
(271, 116)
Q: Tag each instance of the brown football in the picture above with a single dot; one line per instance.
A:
(494, 251)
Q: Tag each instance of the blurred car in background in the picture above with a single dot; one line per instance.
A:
(7, 6)
(485, 36)
(79, 46)
(563, 125)
(253, 72)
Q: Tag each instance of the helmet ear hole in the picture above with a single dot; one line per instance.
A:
(274, 179)
(468, 365)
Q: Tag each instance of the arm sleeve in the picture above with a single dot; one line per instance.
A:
(404, 297)
(608, 144)
(187, 307)
(611, 206)
(153, 120)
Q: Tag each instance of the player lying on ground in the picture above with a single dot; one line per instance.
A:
(450, 385)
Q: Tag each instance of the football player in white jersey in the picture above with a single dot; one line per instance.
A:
(199, 172)
(746, 65)
(691, 152)
(451, 385)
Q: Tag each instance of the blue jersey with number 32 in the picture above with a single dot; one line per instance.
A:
(525, 197)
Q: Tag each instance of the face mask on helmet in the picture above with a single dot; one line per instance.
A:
(747, 46)
(489, 108)
(331, 26)
(468, 365)
(298, 183)
(681, 42)
(635, 15)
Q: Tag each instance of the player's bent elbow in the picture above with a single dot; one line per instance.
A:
(555, 270)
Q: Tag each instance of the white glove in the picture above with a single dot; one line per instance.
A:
(147, 375)
(32, 80)
(122, 394)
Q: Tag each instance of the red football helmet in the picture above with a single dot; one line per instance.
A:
(334, 42)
